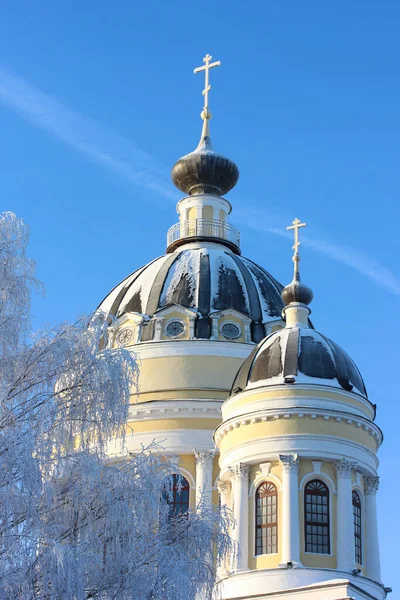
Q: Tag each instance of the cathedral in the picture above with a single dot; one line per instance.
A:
(262, 412)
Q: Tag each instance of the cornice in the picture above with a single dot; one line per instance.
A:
(172, 410)
(298, 413)
(307, 387)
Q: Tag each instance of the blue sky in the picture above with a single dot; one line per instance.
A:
(97, 101)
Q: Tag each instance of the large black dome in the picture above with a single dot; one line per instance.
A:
(299, 355)
(205, 279)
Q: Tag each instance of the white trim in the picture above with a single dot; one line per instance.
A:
(274, 479)
(300, 400)
(321, 475)
(171, 441)
(167, 348)
(271, 414)
(190, 479)
(171, 409)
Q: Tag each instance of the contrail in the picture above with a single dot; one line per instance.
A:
(126, 159)
(95, 141)
(344, 254)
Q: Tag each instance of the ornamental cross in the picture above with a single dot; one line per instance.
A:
(206, 68)
(296, 224)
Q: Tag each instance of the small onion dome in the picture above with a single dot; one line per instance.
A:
(203, 171)
(299, 356)
(297, 291)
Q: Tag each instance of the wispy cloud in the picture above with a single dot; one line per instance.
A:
(342, 253)
(126, 159)
(92, 139)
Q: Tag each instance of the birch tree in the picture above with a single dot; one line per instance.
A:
(76, 524)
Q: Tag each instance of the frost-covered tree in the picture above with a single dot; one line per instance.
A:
(76, 523)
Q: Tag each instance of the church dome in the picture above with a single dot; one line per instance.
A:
(299, 355)
(206, 279)
(203, 171)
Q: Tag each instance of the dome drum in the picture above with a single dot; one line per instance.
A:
(202, 230)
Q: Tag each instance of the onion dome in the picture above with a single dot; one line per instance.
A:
(203, 171)
(299, 356)
(204, 279)
(297, 291)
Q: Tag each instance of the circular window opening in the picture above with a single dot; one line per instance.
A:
(175, 328)
(231, 331)
(125, 336)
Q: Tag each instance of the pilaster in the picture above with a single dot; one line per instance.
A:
(372, 566)
(290, 506)
(345, 526)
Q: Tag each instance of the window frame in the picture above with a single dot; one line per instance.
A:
(359, 536)
(266, 525)
(183, 485)
(327, 525)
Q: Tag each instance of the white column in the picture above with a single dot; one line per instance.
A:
(204, 466)
(290, 543)
(240, 480)
(372, 563)
(345, 550)
(224, 488)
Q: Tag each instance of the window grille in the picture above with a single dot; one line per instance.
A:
(316, 505)
(179, 500)
(357, 527)
(266, 519)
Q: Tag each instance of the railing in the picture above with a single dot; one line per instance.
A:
(204, 228)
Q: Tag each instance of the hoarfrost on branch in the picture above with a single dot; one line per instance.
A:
(76, 524)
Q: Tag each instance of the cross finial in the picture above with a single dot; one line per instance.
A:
(206, 113)
(296, 224)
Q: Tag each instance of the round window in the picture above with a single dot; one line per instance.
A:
(125, 336)
(231, 331)
(175, 328)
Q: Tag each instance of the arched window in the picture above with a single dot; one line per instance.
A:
(316, 504)
(357, 527)
(266, 519)
(179, 500)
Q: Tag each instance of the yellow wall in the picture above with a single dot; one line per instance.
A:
(208, 213)
(172, 373)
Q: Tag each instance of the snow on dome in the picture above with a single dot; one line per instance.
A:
(299, 355)
(205, 279)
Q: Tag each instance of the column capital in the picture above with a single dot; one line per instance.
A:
(344, 468)
(371, 485)
(223, 487)
(240, 472)
(289, 462)
(204, 457)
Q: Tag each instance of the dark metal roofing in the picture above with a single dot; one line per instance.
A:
(207, 280)
(299, 355)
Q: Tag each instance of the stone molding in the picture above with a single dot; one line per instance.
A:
(204, 458)
(289, 462)
(290, 413)
(371, 485)
(240, 472)
(344, 468)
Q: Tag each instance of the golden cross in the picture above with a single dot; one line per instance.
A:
(296, 224)
(207, 66)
